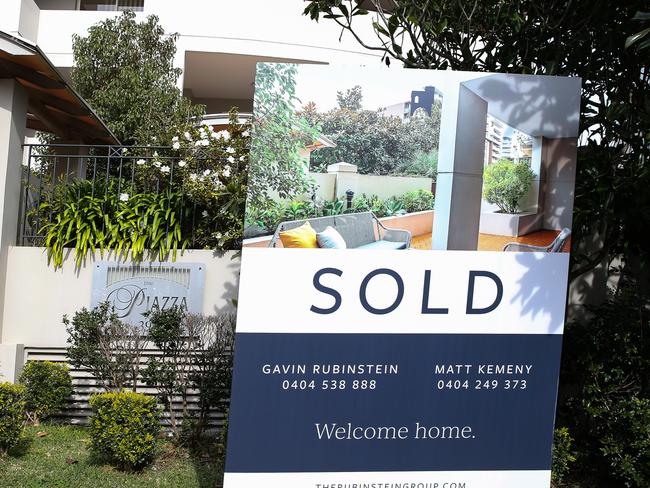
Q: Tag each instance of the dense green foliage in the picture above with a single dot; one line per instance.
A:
(604, 387)
(125, 70)
(506, 182)
(108, 348)
(124, 427)
(12, 415)
(563, 455)
(375, 143)
(195, 357)
(277, 212)
(47, 388)
(605, 391)
(277, 165)
(190, 194)
(61, 459)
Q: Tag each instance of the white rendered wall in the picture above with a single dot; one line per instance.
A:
(37, 297)
(253, 27)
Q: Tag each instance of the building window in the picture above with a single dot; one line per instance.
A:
(112, 5)
(417, 99)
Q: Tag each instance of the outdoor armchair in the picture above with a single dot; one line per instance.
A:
(556, 246)
(359, 230)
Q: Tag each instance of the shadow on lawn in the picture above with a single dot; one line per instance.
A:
(20, 449)
(207, 458)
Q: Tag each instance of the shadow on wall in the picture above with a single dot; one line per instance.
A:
(540, 286)
(536, 105)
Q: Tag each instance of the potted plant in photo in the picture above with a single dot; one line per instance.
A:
(505, 184)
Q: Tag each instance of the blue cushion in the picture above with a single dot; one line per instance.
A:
(384, 245)
(330, 238)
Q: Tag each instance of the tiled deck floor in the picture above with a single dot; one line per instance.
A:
(490, 242)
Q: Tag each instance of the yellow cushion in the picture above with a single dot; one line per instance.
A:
(303, 236)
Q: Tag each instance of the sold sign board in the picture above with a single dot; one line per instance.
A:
(395, 368)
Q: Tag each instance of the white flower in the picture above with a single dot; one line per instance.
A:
(224, 134)
(188, 136)
(124, 197)
(226, 171)
(202, 142)
(157, 164)
(165, 169)
(154, 138)
(230, 150)
(241, 158)
(206, 172)
(218, 235)
(214, 135)
(245, 133)
(140, 162)
(175, 139)
(205, 213)
(231, 159)
(182, 163)
(193, 177)
(176, 145)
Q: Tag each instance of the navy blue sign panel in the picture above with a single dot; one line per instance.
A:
(392, 402)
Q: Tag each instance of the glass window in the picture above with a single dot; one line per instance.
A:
(112, 5)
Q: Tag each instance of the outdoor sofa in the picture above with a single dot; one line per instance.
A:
(359, 230)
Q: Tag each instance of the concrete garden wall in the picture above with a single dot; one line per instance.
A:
(37, 297)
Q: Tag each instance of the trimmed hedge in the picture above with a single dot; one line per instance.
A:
(124, 427)
(12, 414)
(47, 386)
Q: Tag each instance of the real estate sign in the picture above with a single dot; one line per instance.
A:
(386, 365)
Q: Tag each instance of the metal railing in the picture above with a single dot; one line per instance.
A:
(51, 169)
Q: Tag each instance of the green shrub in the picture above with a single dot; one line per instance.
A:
(12, 414)
(604, 391)
(124, 427)
(505, 183)
(417, 200)
(47, 386)
(563, 455)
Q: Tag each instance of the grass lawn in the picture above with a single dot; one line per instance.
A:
(61, 459)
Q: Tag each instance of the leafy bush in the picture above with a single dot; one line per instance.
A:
(12, 414)
(423, 164)
(108, 348)
(605, 391)
(418, 200)
(505, 183)
(563, 455)
(153, 205)
(196, 354)
(124, 427)
(47, 386)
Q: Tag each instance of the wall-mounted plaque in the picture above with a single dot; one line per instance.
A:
(134, 289)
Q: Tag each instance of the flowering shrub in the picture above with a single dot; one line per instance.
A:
(155, 200)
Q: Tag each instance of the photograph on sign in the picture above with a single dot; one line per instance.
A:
(377, 341)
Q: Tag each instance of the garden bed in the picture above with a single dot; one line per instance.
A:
(62, 459)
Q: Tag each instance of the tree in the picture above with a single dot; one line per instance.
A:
(279, 135)
(506, 182)
(125, 70)
(605, 393)
(376, 143)
(350, 99)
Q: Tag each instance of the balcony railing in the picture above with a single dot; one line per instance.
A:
(52, 172)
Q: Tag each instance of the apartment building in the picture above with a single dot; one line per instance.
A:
(219, 41)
